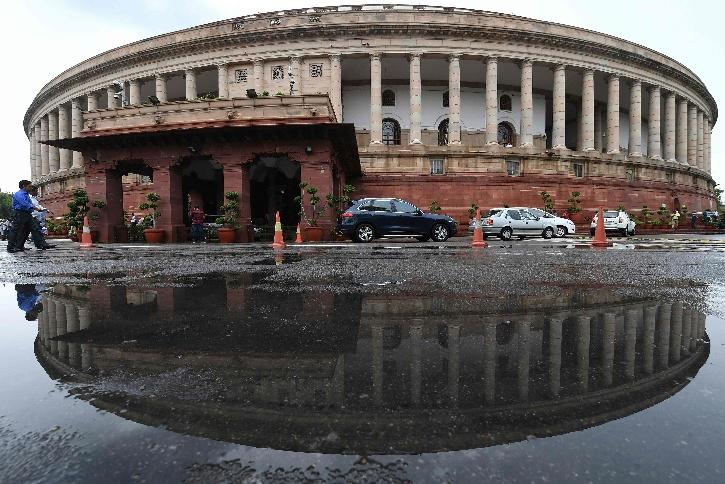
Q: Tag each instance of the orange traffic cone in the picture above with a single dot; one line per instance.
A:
(298, 239)
(86, 240)
(478, 241)
(278, 239)
(600, 235)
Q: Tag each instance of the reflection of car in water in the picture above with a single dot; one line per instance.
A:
(375, 376)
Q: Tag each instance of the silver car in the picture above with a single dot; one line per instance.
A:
(615, 221)
(564, 226)
(514, 222)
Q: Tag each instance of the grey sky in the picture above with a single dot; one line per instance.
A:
(41, 38)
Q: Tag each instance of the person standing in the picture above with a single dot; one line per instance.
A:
(693, 219)
(675, 219)
(22, 220)
(197, 217)
(37, 227)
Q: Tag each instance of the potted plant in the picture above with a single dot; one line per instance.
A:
(574, 208)
(548, 201)
(78, 208)
(339, 204)
(313, 233)
(153, 235)
(94, 216)
(230, 221)
(644, 214)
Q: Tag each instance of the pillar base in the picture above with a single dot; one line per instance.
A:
(376, 142)
(656, 158)
(613, 152)
(560, 147)
(416, 142)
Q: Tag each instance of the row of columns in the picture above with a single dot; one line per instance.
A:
(63, 317)
(667, 332)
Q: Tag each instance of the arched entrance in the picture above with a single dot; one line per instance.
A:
(443, 133)
(505, 134)
(202, 184)
(274, 182)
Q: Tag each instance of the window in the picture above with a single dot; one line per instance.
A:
(315, 70)
(578, 169)
(446, 100)
(443, 133)
(240, 75)
(514, 214)
(436, 167)
(513, 168)
(389, 97)
(377, 206)
(277, 72)
(505, 134)
(391, 132)
(403, 207)
(504, 103)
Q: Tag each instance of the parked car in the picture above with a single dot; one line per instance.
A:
(710, 216)
(371, 218)
(615, 221)
(564, 226)
(516, 222)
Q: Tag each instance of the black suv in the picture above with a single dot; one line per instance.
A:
(369, 218)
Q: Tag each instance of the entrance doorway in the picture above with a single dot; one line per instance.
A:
(202, 184)
(274, 182)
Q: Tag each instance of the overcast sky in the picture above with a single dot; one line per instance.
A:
(40, 39)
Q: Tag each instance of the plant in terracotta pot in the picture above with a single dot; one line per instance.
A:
(153, 235)
(548, 201)
(230, 221)
(574, 208)
(78, 208)
(645, 216)
(94, 215)
(340, 204)
(311, 215)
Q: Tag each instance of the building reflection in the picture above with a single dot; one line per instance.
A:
(315, 371)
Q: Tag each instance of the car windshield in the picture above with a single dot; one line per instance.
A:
(611, 214)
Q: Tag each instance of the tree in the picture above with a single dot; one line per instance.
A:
(6, 204)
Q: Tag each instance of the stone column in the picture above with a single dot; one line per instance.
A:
(376, 100)
(38, 150)
(630, 341)
(294, 63)
(223, 80)
(92, 99)
(635, 119)
(415, 99)
(86, 357)
(670, 126)
(64, 156)
(160, 90)
(61, 325)
(489, 362)
(336, 85)
(609, 327)
(700, 140)
(692, 135)
(454, 99)
(491, 101)
(44, 149)
(682, 132)
(597, 128)
(454, 362)
(190, 82)
(258, 68)
(73, 324)
(49, 308)
(75, 129)
(377, 364)
(676, 332)
(555, 356)
(558, 131)
(708, 145)
(416, 369)
(31, 153)
(686, 331)
(526, 128)
(53, 153)
(523, 328)
(582, 351)
(134, 92)
(111, 101)
(654, 149)
(650, 314)
(664, 316)
(84, 317)
(588, 110)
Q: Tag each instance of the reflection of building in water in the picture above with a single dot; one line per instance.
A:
(411, 374)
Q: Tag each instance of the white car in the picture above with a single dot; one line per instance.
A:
(615, 221)
(564, 226)
(515, 222)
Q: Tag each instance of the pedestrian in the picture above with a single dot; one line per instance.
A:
(197, 217)
(37, 226)
(22, 221)
(675, 219)
(4, 227)
(134, 220)
(29, 300)
(693, 219)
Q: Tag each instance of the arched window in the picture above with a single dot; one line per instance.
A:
(443, 133)
(505, 134)
(389, 97)
(504, 103)
(391, 132)
(445, 100)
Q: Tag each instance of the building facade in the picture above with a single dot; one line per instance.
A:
(456, 105)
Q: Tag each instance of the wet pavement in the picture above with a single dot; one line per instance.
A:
(391, 362)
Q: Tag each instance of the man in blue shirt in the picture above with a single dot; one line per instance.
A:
(22, 220)
(29, 300)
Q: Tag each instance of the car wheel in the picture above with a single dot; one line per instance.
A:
(439, 233)
(561, 231)
(548, 233)
(631, 233)
(364, 233)
(423, 238)
(506, 233)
